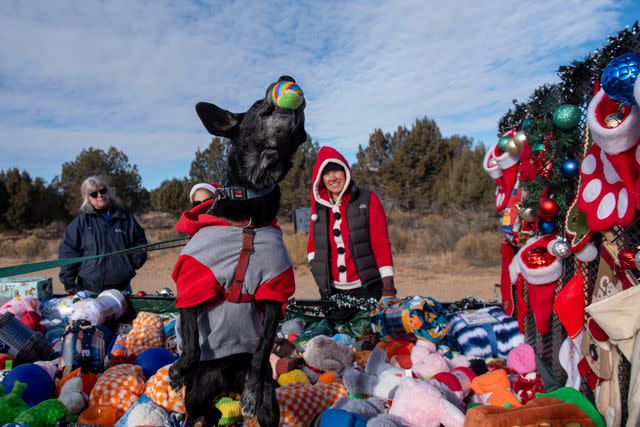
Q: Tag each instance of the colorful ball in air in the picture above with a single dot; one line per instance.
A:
(619, 77)
(546, 227)
(286, 94)
(567, 117)
(39, 383)
(570, 168)
(153, 359)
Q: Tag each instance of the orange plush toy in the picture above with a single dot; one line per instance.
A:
(494, 388)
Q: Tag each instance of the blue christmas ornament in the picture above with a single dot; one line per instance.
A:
(570, 168)
(546, 227)
(619, 77)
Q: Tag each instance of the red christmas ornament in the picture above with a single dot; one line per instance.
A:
(627, 258)
(141, 294)
(538, 258)
(548, 209)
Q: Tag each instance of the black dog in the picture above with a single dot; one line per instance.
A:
(263, 141)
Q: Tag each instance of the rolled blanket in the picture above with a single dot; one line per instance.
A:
(418, 317)
(486, 332)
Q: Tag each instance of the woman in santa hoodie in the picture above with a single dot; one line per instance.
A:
(348, 249)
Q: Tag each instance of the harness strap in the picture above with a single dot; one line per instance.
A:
(235, 292)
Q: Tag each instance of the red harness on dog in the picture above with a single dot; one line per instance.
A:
(235, 294)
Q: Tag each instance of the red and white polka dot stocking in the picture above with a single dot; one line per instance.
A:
(609, 170)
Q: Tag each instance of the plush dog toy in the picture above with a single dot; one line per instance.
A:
(234, 277)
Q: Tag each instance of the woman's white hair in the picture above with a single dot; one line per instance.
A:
(94, 183)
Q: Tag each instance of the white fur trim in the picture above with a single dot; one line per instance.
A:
(514, 270)
(538, 276)
(618, 139)
(588, 253)
(386, 271)
(349, 285)
(490, 165)
(347, 173)
(311, 256)
(314, 217)
(505, 160)
(203, 185)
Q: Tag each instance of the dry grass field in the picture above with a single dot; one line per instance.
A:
(445, 257)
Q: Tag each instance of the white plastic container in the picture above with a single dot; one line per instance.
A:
(109, 305)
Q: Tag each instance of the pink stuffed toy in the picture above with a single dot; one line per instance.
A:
(426, 361)
(420, 404)
(27, 310)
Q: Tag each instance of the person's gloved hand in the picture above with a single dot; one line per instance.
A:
(388, 287)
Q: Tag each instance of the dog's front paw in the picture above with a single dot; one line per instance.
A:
(178, 375)
(251, 398)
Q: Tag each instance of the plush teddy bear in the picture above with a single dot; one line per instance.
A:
(324, 354)
(419, 404)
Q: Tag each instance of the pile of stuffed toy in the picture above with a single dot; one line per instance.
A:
(415, 364)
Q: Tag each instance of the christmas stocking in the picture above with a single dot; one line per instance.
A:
(503, 168)
(506, 288)
(608, 172)
(569, 305)
(541, 270)
(576, 228)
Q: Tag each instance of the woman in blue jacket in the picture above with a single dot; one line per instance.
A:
(102, 226)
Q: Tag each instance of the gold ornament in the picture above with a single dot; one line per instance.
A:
(511, 147)
(520, 137)
(613, 120)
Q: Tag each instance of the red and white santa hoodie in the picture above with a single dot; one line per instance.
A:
(343, 269)
(204, 272)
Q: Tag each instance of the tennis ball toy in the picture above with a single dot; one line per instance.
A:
(287, 94)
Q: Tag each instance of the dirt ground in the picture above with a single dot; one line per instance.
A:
(441, 277)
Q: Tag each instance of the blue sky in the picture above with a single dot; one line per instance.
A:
(98, 73)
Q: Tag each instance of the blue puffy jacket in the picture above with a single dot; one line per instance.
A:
(91, 234)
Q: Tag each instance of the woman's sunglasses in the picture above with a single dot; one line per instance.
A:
(197, 202)
(102, 191)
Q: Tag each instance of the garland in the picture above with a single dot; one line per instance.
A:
(337, 302)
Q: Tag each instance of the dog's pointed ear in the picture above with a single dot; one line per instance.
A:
(217, 121)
